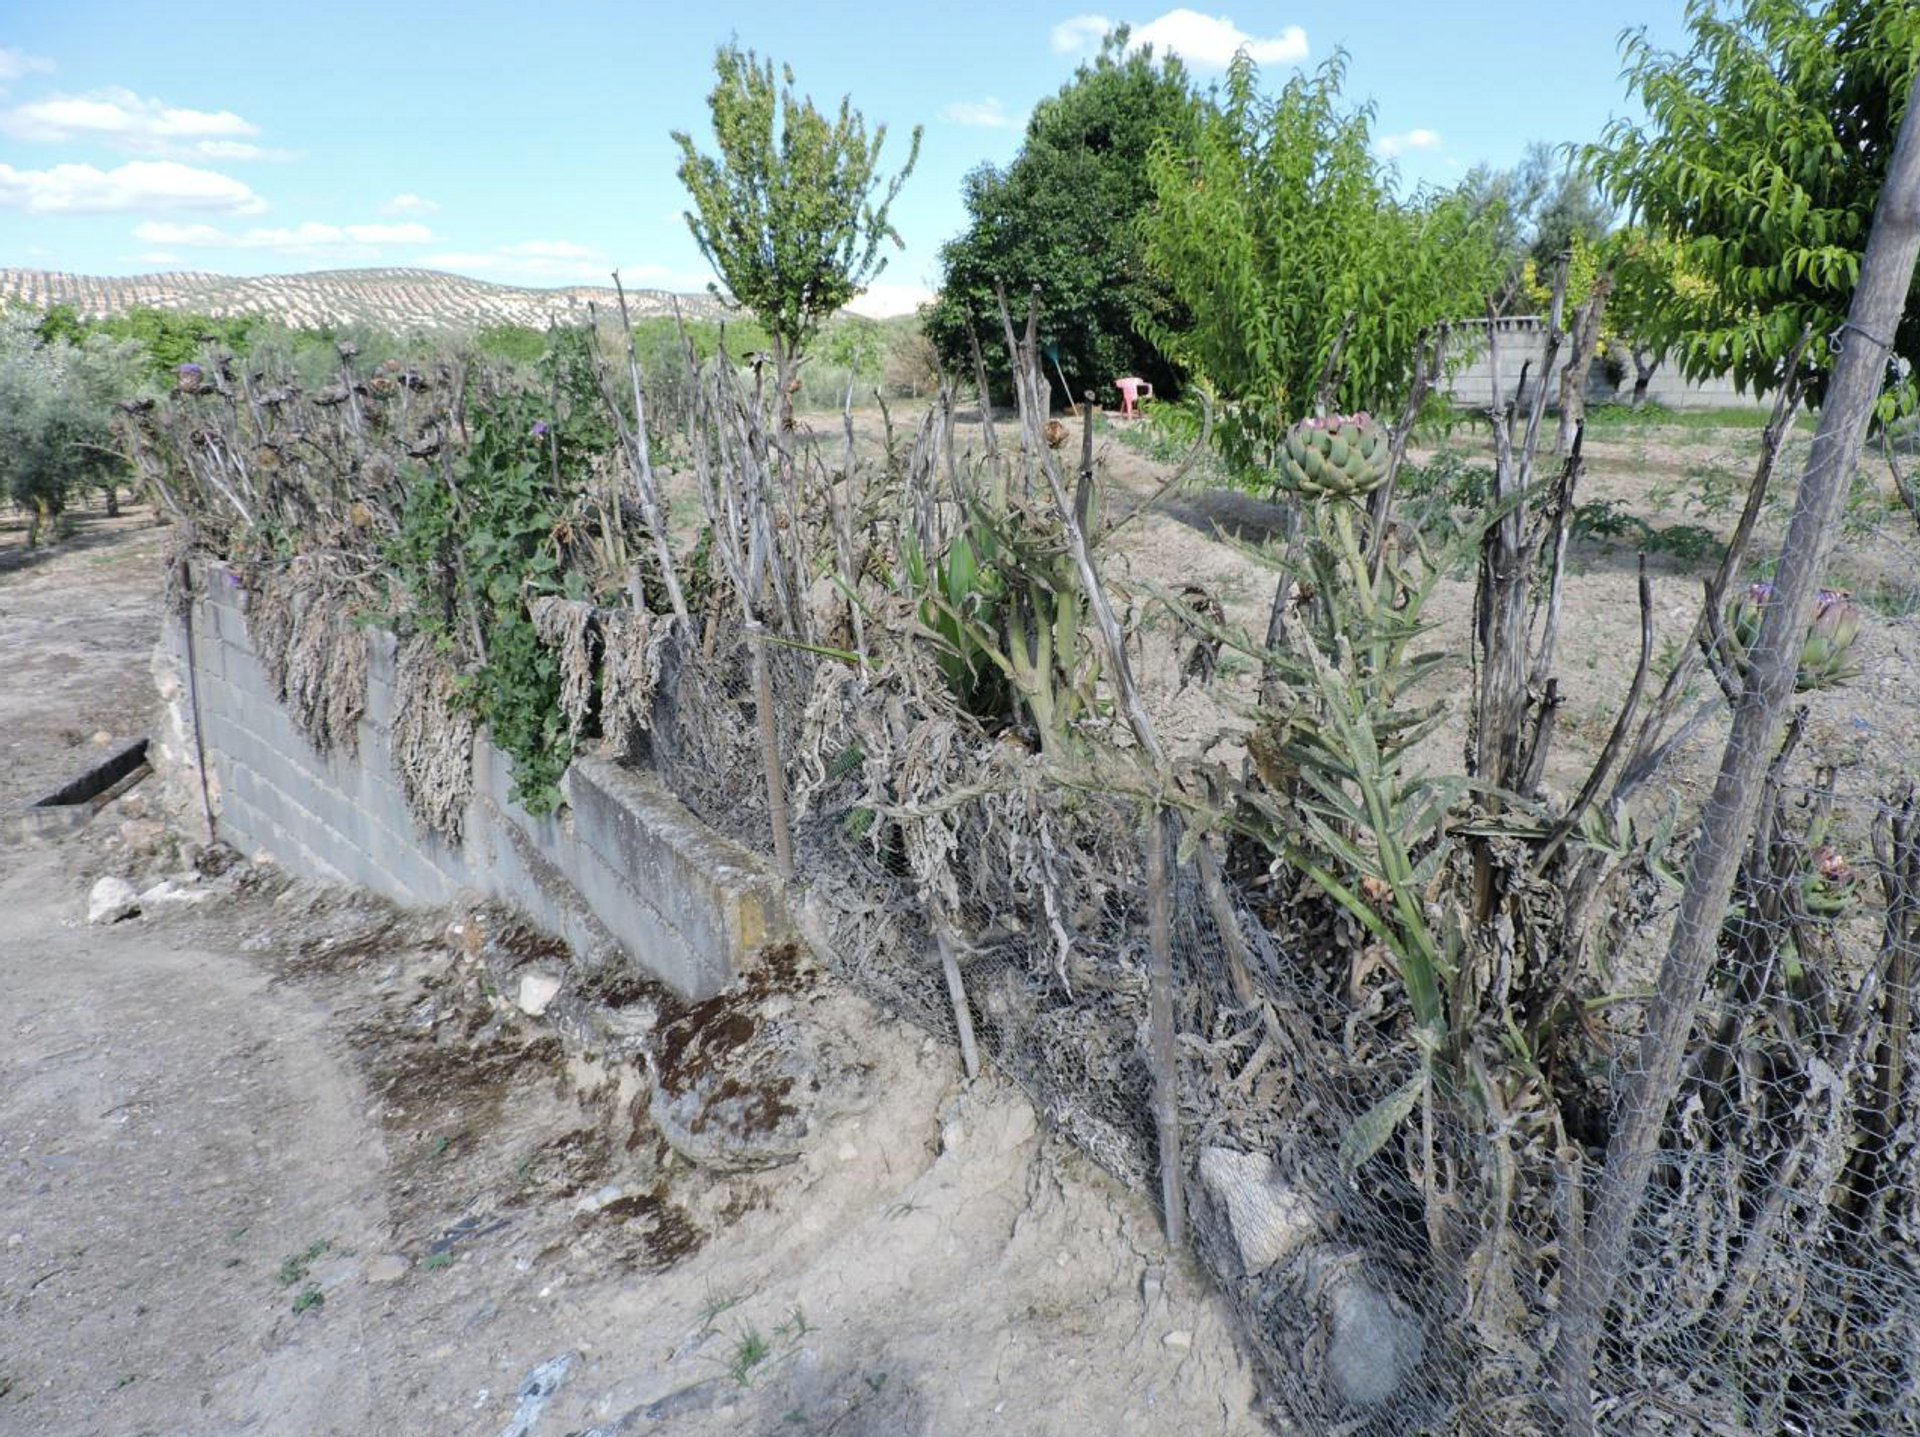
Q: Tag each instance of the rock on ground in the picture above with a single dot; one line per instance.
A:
(111, 900)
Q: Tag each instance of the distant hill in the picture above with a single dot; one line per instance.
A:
(394, 299)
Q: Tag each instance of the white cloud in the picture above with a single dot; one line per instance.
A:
(341, 241)
(1079, 32)
(1205, 42)
(408, 204)
(1393, 146)
(158, 256)
(17, 64)
(883, 301)
(137, 185)
(987, 114)
(232, 150)
(121, 118)
(166, 232)
(1209, 42)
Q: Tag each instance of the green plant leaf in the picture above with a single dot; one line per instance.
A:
(1369, 1132)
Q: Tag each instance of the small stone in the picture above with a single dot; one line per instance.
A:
(142, 833)
(112, 899)
(537, 992)
(1375, 1347)
(1178, 1338)
(594, 1201)
(1269, 1220)
(389, 1267)
(167, 890)
(14, 1239)
(102, 737)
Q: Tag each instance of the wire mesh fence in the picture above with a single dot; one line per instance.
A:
(1774, 1284)
(1365, 1033)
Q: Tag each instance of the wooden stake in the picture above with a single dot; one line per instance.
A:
(1160, 1038)
(957, 992)
(770, 751)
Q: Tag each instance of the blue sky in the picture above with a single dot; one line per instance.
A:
(529, 143)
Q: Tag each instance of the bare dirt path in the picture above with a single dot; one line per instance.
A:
(171, 1128)
(171, 1125)
(70, 670)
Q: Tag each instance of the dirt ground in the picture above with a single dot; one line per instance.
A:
(278, 1159)
(68, 671)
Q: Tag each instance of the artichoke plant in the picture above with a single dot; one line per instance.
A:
(1828, 887)
(1341, 456)
(1825, 652)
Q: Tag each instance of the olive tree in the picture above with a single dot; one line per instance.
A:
(57, 401)
(792, 212)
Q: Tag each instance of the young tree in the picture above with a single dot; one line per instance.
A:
(1569, 210)
(1534, 212)
(1761, 157)
(1062, 217)
(1275, 225)
(56, 416)
(911, 365)
(787, 213)
(1652, 288)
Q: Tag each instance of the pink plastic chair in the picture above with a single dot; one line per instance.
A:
(1131, 391)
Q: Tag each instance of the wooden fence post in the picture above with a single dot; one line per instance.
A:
(776, 770)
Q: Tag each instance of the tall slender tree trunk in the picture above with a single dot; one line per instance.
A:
(1599, 1252)
(786, 365)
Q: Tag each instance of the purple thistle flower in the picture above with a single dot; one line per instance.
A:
(1837, 618)
(539, 429)
(188, 368)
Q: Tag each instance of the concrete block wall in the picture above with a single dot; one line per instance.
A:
(623, 873)
(1523, 341)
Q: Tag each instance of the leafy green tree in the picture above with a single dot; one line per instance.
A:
(100, 372)
(514, 343)
(1569, 212)
(172, 338)
(851, 345)
(56, 416)
(1062, 216)
(1277, 223)
(1760, 158)
(1539, 208)
(1651, 281)
(787, 213)
(61, 322)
